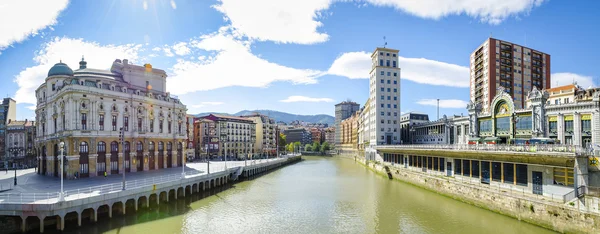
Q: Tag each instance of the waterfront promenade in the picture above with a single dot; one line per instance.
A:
(38, 196)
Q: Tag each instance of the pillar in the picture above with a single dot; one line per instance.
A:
(110, 211)
(79, 218)
(135, 204)
(42, 223)
(124, 208)
(148, 201)
(23, 224)
(176, 194)
(61, 222)
(95, 214)
(167, 196)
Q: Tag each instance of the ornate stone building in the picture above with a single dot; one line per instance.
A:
(86, 109)
(575, 122)
(20, 135)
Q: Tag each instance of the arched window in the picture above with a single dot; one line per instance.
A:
(169, 146)
(101, 147)
(151, 145)
(161, 146)
(83, 147)
(127, 146)
(114, 146)
(139, 146)
(179, 146)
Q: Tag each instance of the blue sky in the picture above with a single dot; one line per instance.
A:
(295, 56)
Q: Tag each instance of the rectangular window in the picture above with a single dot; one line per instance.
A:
(563, 176)
(83, 121)
(382, 81)
(552, 126)
(387, 63)
(382, 113)
(382, 98)
(466, 166)
(382, 73)
(381, 63)
(389, 97)
(395, 90)
(475, 169)
(496, 171)
(457, 167)
(169, 126)
(139, 124)
(521, 172)
(389, 74)
(152, 125)
(395, 106)
(101, 122)
(389, 105)
(395, 98)
(64, 127)
(388, 89)
(126, 123)
(394, 65)
(586, 125)
(382, 89)
(395, 82)
(388, 81)
(568, 125)
(509, 173)
(382, 105)
(55, 129)
(114, 123)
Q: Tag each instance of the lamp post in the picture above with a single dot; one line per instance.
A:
(62, 166)
(15, 152)
(515, 120)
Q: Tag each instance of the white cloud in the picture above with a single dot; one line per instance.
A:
(276, 20)
(305, 99)
(168, 52)
(181, 48)
(173, 5)
(489, 11)
(69, 51)
(203, 104)
(420, 70)
(299, 21)
(566, 78)
(216, 71)
(444, 103)
(145, 5)
(23, 18)
(156, 49)
(353, 65)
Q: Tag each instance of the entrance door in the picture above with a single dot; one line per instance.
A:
(180, 153)
(161, 155)
(169, 154)
(536, 179)
(44, 160)
(448, 169)
(114, 158)
(151, 156)
(140, 156)
(84, 160)
(388, 140)
(485, 172)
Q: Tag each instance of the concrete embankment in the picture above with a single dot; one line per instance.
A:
(555, 216)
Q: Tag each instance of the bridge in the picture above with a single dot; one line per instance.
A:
(83, 200)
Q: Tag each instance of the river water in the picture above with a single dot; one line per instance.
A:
(317, 195)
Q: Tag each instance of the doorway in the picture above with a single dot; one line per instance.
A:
(537, 180)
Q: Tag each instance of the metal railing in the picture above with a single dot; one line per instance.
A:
(74, 194)
(579, 192)
(492, 147)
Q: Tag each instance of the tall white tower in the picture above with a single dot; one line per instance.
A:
(384, 94)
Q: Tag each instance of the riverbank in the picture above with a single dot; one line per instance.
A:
(554, 216)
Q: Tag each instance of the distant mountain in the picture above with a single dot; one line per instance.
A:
(282, 116)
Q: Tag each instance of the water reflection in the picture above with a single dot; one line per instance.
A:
(317, 195)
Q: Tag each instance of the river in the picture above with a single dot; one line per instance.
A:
(317, 195)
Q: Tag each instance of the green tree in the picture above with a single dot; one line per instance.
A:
(282, 140)
(290, 147)
(325, 146)
(316, 147)
(297, 145)
(308, 147)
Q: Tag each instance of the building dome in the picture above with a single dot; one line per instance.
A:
(60, 69)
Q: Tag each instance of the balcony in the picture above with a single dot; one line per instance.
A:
(505, 48)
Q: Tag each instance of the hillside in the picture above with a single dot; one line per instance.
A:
(282, 116)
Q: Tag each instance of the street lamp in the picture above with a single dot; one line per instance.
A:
(515, 120)
(15, 152)
(62, 166)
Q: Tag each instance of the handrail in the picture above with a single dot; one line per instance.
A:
(74, 194)
(493, 147)
(576, 193)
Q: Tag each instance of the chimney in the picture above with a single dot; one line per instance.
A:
(125, 61)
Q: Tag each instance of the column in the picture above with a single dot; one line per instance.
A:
(577, 129)
(560, 128)
(110, 211)
(23, 224)
(41, 223)
(95, 214)
(79, 218)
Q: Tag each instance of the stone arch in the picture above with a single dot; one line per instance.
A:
(171, 194)
(163, 196)
(188, 190)
(30, 221)
(87, 214)
(104, 210)
(118, 206)
(142, 201)
(153, 199)
(194, 188)
(130, 205)
(180, 192)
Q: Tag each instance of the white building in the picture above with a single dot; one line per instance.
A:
(86, 109)
(384, 98)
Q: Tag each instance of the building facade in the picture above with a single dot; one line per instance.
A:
(266, 134)
(343, 110)
(350, 134)
(236, 136)
(7, 112)
(87, 108)
(384, 96)
(317, 135)
(406, 121)
(496, 63)
(189, 146)
(20, 135)
(330, 136)
(206, 138)
(298, 135)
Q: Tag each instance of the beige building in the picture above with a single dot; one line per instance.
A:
(266, 135)
(236, 135)
(86, 109)
(516, 68)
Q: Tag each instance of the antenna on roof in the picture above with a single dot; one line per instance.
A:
(384, 42)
